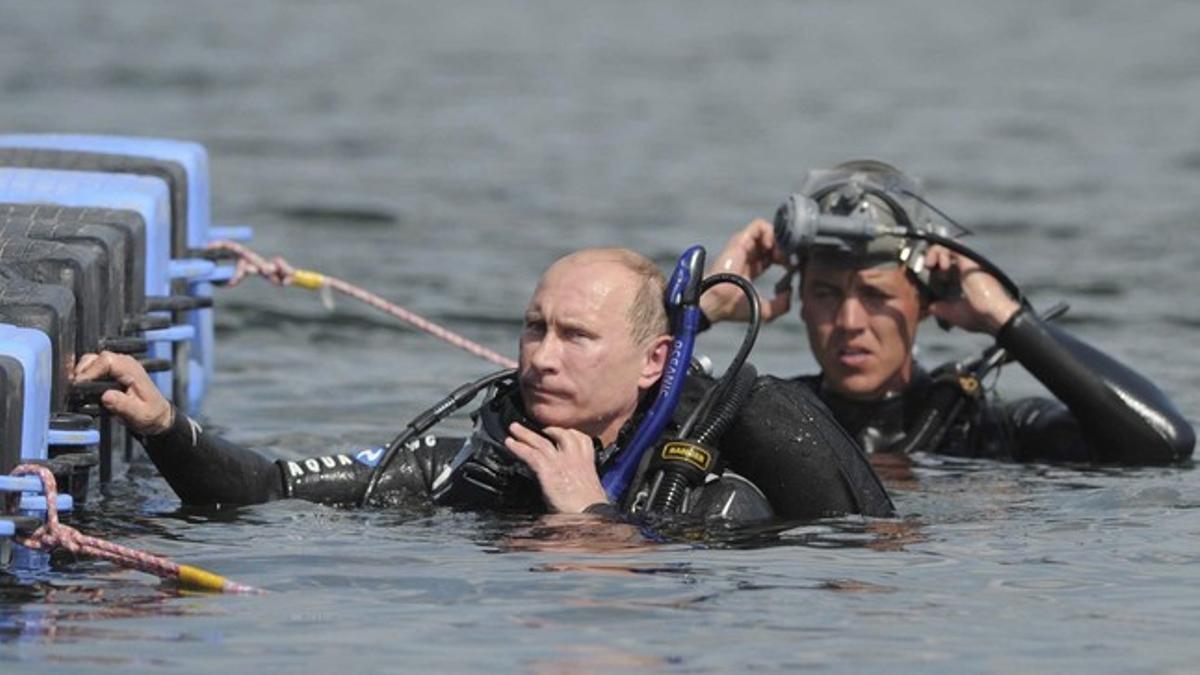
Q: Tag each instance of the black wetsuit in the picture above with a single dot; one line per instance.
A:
(815, 469)
(1105, 412)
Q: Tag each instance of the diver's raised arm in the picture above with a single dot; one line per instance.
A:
(1122, 415)
(749, 253)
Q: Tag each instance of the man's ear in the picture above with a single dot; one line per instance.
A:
(655, 361)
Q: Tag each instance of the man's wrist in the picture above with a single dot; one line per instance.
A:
(162, 424)
(1004, 332)
(1001, 316)
(708, 310)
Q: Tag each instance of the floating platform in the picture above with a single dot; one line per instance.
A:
(102, 247)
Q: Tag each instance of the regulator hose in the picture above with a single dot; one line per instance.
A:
(726, 409)
(421, 423)
(714, 412)
(946, 402)
(673, 485)
(721, 391)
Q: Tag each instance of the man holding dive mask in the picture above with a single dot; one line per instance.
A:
(873, 264)
(593, 347)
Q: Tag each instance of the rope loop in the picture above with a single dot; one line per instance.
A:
(53, 534)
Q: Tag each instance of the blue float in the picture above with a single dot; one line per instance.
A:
(145, 196)
(183, 166)
(159, 184)
(25, 366)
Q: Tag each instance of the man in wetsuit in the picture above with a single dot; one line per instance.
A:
(861, 303)
(594, 342)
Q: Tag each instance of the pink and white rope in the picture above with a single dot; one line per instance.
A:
(279, 272)
(54, 534)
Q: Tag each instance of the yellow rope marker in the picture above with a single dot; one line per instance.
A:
(197, 579)
(313, 281)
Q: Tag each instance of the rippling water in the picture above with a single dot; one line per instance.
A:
(443, 154)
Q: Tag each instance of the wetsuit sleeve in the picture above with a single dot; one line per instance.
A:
(1117, 414)
(203, 468)
(786, 442)
(343, 477)
(1044, 429)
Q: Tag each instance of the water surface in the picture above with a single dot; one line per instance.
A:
(442, 154)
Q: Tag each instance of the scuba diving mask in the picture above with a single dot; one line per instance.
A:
(861, 213)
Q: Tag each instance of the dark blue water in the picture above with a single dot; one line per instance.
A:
(443, 154)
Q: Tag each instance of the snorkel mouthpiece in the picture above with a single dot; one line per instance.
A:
(686, 280)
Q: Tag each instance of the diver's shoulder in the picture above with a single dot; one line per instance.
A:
(783, 395)
(801, 384)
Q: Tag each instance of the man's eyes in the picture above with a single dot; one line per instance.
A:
(538, 327)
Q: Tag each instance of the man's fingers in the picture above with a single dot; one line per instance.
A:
(528, 436)
(82, 364)
(933, 260)
(92, 367)
(966, 264)
(763, 232)
(122, 404)
(779, 305)
(556, 434)
(747, 249)
(529, 445)
(524, 452)
(569, 440)
(539, 452)
(123, 368)
(105, 365)
(939, 258)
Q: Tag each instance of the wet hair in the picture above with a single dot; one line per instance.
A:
(647, 315)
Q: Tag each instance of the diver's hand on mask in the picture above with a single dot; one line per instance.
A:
(749, 253)
(564, 461)
(140, 405)
(983, 306)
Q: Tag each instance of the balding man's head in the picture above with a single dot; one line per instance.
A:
(646, 312)
(594, 340)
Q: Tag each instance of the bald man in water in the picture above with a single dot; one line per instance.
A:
(593, 346)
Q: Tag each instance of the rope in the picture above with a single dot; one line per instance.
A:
(54, 534)
(279, 272)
